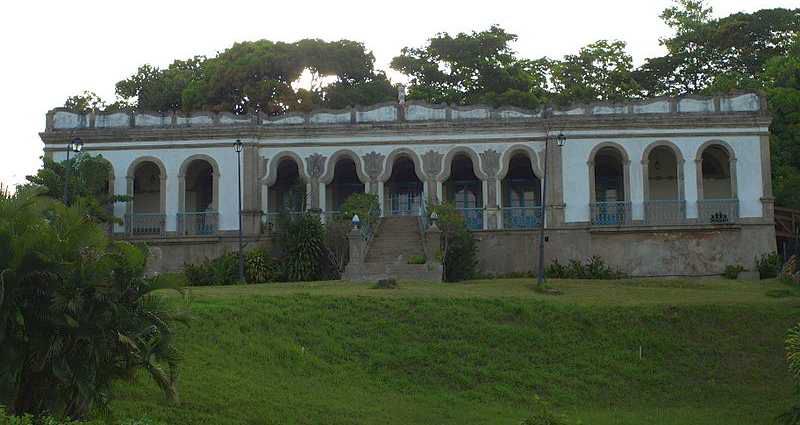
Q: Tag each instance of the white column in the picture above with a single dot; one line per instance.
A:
(380, 199)
(690, 187)
(171, 209)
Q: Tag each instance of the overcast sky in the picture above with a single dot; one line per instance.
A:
(54, 49)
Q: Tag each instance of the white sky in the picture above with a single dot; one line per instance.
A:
(54, 49)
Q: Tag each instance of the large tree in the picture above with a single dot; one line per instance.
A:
(600, 71)
(473, 68)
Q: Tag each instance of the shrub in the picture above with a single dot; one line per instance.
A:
(78, 313)
(593, 268)
(459, 248)
(386, 284)
(732, 272)
(223, 270)
(259, 267)
(302, 243)
(768, 265)
(416, 259)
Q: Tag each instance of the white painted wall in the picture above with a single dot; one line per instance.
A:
(575, 155)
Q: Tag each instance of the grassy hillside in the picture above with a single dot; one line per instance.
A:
(478, 353)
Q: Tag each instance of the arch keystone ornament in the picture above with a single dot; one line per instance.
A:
(432, 166)
(373, 166)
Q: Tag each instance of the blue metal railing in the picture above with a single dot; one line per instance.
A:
(610, 213)
(473, 217)
(522, 217)
(405, 203)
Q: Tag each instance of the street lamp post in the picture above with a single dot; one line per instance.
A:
(238, 146)
(561, 140)
(76, 145)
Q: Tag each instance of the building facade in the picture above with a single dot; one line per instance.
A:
(666, 186)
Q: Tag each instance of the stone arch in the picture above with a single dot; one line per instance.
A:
(394, 155)
(272, 166)
(731, 153)
(626, 162)
(646, 167)
(142, 159)
(515, 149)
(330, 166)
(182, 180)
(463, 150)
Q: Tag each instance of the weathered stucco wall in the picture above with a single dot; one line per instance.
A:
(170, 255)
(698, 251)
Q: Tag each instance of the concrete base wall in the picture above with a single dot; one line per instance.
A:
(679, 251)
(170, 255)
(638, 251)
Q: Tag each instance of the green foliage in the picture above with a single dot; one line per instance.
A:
(223, 270)
(792, 350)
(732, 271)
(88, 184)
(592, 268)
(417, 259)
(301, 241)
(460, 250)
(76, 313)
(260, 268)
(365, 205)
(769, 265)
(385, 284)
(472, 68)
(600, 71)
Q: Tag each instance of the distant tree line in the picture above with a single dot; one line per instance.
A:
(705, 55)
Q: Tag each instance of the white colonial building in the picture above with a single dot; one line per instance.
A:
(667, 186)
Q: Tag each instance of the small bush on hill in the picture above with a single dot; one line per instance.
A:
(769, 265)
(386, 284)
(416, 259)
(459, 248)
(732, 271)
(593, 268)
(223, 270)
(260, 268)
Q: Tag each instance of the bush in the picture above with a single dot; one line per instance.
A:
(416, 259)
(302, 243)
(366, 205)
(593, 268)
(386, 284)
(460, 250)
(78, 313)
(259, 267)
(732, 272)
(223, 270)
(769, 265)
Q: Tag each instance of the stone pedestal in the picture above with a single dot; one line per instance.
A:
(433, 243)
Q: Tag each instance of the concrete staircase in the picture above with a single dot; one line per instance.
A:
(396, 240)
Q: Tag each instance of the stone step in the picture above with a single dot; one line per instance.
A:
(367, 272)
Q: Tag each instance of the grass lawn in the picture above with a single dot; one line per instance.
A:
(479, 353)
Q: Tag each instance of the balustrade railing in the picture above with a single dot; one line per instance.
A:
(473, 217)
(610, 213)
(203, 223)
(718, 211)
(661, 212)
(405, 203)
(145, 224)
(522, 217)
